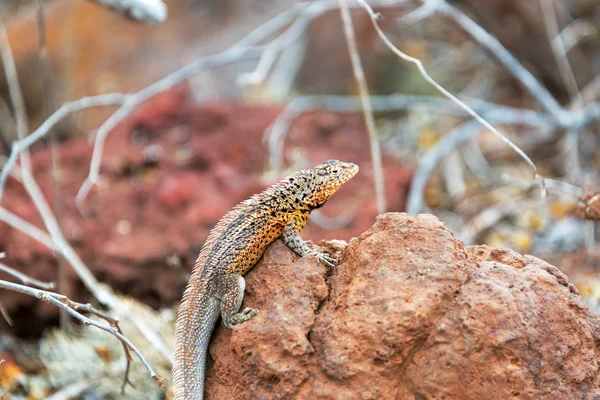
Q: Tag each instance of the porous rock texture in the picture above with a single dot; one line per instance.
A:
(410, 313)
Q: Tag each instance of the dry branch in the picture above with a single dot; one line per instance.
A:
(34, 191)
(25, 280)
(534, 87)
(560, 55)
(73, 391)
(276, 133)
(74, 309)
(66, 109)
(57, 239)
(144, 11)
(363, 89)
(588, 207)
(447, 144)
(445, 92)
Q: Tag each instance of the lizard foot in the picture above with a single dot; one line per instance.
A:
(324, 258)
(238, 318)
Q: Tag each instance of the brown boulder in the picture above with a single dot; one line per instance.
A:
(410, 313)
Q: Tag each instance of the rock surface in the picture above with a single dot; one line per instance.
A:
(410, 313)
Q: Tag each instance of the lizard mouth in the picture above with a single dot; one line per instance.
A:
(351, 169)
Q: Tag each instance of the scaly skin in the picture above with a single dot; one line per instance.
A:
(231, 250)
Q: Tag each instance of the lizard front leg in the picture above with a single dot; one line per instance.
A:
(230, 290)
(292, 239)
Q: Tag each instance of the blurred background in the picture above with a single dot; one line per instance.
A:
(271, 90)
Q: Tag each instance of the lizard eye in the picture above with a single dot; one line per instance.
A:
(335, 171)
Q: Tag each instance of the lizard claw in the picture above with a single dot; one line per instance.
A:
(325, 259)
(237, 318)
(249, 312)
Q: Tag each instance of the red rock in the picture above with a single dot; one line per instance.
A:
(409, 314)
(175, 191)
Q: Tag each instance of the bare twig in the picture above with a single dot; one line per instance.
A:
(573, 33)
(447, 143)
(45, 78)
(72, 391)
(304, 17)
(552, 184)
(65, 110)
(363, 89)
(26, 280)
(445, 92)
(12, 79)
(560, 52)
(245, 49)
(591, 91)
(508, 60)
(418, 15)
(133, 101)
(566, 72)
(7, 318)
(276, 133)
(129, 102)
(101, 293)
(486, 219)
(74, 308)
(453, 173)
(144, 11)
(60, 243)
(475, 159)
(27, 228)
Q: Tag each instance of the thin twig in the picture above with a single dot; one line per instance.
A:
(513, 66)
(12, 79)
(363, 90)
(552, 184)
(416, 16)
(7, 318)
(445, 92)
(304, 17)
(276, 133)
(73, 309)
(31, 185)
(144, 11)
(486, 219)
(129, 102)
(448, 143)
(45, 77)
(26, 280)
(72, 391)
(560, 52)
(560, 55)
(133, 101)
(573, 33)
(64, 111)
(245, 49)
(54, 229)
(27, 228)
(475, 159)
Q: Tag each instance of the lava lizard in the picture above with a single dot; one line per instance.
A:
(233, 247)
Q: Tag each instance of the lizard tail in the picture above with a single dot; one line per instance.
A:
(197, 317)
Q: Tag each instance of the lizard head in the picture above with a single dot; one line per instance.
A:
(328, 177)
